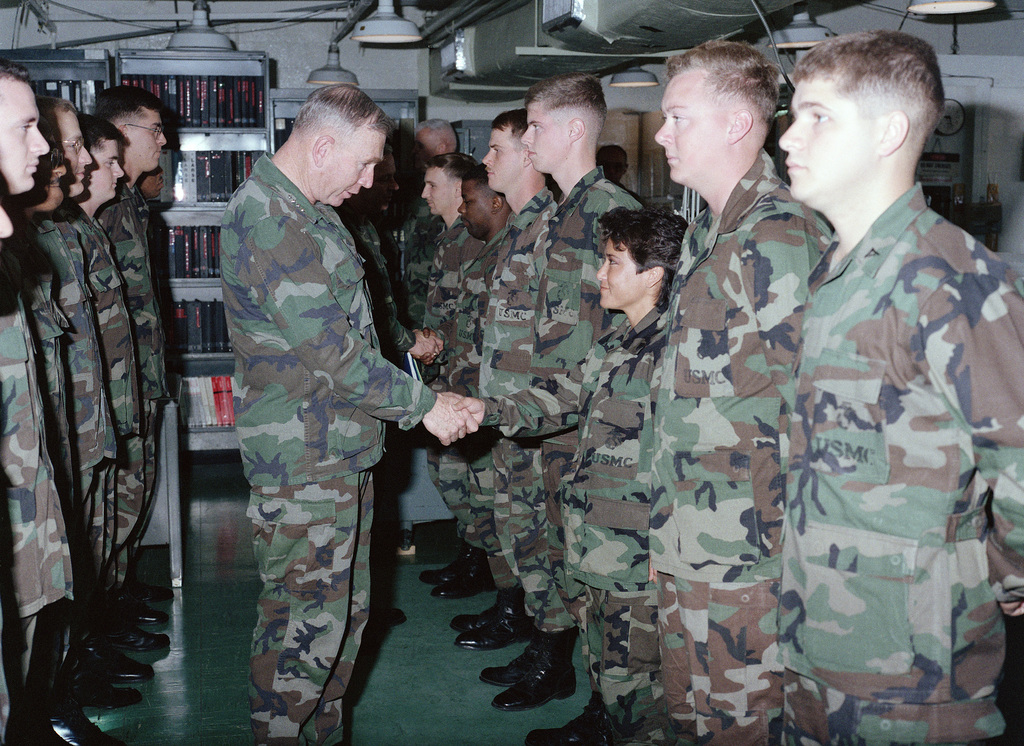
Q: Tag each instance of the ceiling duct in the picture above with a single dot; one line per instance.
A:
(497, 58)
(616, 27)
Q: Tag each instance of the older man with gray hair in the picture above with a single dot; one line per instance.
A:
(312, 393)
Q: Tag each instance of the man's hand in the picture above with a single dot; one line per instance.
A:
(475, 407)
(447, 422)
(428, 346)
(1012, 608)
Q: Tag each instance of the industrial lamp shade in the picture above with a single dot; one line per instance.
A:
(802, 32)
(634, 77)
(199, 34)
(332, 73)
(944, 7)
(386, 27)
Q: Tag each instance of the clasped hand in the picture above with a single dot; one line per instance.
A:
(453, 417)
(428, 346)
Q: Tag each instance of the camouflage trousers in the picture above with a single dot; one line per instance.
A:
(720, 660)
(134, 487)
(624, 660)
(100, 513)
(817, 714)
(522, 518)
(464, 476)
(312, 546)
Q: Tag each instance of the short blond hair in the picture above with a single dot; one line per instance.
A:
(881, 71)
(735, 70)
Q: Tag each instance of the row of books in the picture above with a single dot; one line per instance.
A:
(208, 101)
(209, 175)
(199, 326)
(207, 401)
(191, 251)
(82, 93)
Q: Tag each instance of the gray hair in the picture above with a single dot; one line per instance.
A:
(442, 127)
(341, 107)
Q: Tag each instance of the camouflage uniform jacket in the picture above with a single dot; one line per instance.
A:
(311, 385)
(126, 220)
(117, 341)
(508, 325)
(725, 388)
(418, 238)
(462, 371)
(42, 562)
(907, 427)
(91, 425)
(454, 245)
(375, 267)
(605, 494)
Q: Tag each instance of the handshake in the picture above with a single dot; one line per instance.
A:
(453, 417)
(428, 346)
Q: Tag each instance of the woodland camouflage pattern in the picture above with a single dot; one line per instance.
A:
(726, 383)
(125, 221)
(311, 385)
(605, 507)
(41, 570)
(396, 338)
(546, 315)
(454, 246)
(312, 545)
(721, 410)
(419, 237)
(907, 424)
(92, 428)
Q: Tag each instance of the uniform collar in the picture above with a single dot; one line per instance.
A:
(533, 208)
(760, 179)
(883, 235)
(267, 171)
(575, 195)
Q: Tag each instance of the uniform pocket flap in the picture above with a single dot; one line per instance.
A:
(618, 514)
(850, 377)
(706, 314)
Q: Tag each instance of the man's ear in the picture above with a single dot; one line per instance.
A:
(577, 129)
(740, 123)
(322, 149)
(894, 128)
(497, 203)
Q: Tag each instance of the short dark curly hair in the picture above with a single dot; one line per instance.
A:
(653, 238)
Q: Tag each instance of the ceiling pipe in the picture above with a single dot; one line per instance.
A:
(439, 28)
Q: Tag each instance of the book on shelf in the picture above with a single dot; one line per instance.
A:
(199, 326)
(82, 93)
(208, 101)
(208, 175)
(191, 251)
(207, 401)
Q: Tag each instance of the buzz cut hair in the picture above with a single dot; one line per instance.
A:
(454, 165)
(881, 71)
(14, 71)
(478, 175)
(50, 106)
(735, 71)
(96, 130)
(341, 107)
(123, 102)
(575, 92)
(514, 121)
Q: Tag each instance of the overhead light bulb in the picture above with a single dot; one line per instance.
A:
(332, 73)
(945, 7)
(802, 32)
(634, 77)
(386, 27)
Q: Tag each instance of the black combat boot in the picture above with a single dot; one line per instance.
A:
(473, 578)
(592, 728)
(551, 676)
(449, 571)
(467, 622)
(521, 665)
(512, 624)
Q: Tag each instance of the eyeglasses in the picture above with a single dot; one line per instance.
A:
(74, 143)
(56, 157)
(156, 129)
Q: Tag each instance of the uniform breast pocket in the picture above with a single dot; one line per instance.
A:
(856, 599)
(560, 313)
(614, 452)
(701, 340)
(848, 436)
(513, 332)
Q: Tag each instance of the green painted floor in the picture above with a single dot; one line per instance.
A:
(412, 685)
